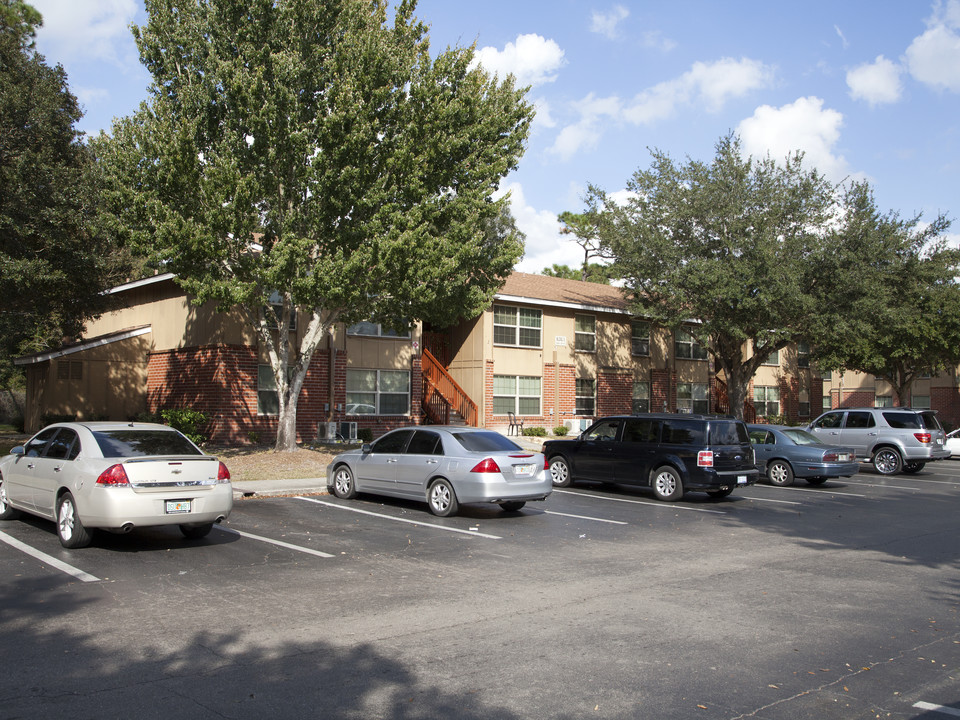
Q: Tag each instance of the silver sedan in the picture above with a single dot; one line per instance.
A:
(115, 476)
(444, 466)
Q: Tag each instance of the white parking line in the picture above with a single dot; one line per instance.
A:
(280, 543)
(773, 500)
(584, 517)
(937, 708)
(667, 506)
(48, 559)
(403, 520)
(832, 491)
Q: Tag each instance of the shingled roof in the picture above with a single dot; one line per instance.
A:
(545, 290)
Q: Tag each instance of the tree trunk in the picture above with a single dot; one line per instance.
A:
(287, 427)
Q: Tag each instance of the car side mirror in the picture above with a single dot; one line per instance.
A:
(18, 450)
(366, 448)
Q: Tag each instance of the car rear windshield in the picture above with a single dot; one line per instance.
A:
(912, 420)
(485, 442)
(137, 443)
(728, 432)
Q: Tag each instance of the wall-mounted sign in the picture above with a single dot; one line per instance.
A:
(560, 341)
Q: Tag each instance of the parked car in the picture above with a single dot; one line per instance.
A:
(669, 453)
(894, 439)
(445, 466)
(114, 476)
(784, 453)
(952, 442)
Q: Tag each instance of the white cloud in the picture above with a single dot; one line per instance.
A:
(843, 39)
(532, 59)
(88, 30)
(803, 125)
(545, 246)
(606, 23)
(934, 57)
(655, 39)
(877, 82)
(585, 134)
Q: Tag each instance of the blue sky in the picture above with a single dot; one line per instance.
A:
(868, 89)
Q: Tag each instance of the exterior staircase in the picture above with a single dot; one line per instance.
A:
(444, 401)
(721, 403)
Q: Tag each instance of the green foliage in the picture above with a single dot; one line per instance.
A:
(314, 150)
(187, 421)
(560, 430)
(19, 21)
(594, 272)
(365, 435)
(535, 432)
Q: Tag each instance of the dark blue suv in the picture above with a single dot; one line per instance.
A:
(668, 453)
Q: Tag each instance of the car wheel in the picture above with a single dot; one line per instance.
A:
(717, 494)
(71, 531)
(666, 484)
(560, 472)
(780, 473)
(913, 467)
(343, 485)
(6, 512)
(512, 506)
(816, 480)
(195, 532)
(887, 461)
(442, 499)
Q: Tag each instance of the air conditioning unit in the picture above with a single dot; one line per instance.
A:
(572, 425)
(326, 432)
(348, 431)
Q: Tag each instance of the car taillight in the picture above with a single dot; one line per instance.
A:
(113, 476)
(705, 458)
(223, 475)
(489, 465)
(830, 457)
(923, 437)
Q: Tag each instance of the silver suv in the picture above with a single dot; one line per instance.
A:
(894, 439)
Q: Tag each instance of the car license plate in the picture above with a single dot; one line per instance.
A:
(741, 479)
(844, 457)
(176, 507)
(525, 470)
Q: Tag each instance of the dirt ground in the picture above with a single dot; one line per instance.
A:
(260, 463)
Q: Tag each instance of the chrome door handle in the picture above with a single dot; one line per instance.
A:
(57, 468)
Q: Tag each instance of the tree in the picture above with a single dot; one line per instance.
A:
(56, 255)
(583, 226)
(593, 272)
(897, 281)
(308, 150)
(731, 246)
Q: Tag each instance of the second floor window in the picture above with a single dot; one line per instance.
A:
(773, 358)
(375, 330)
(640, 338)
(687, 347)
(803, 355)
(585, 327)
(519, 327)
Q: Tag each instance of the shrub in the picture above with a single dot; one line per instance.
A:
(560, 430)
(365, 435)
(186, 421)
(535, 432)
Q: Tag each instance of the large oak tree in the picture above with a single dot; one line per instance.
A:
(313, 149)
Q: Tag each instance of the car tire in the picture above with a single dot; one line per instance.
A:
(6, 512)
(718, 494)
(780, 473)
(887, 461)
(195, 532)
(560, 472)
(666, 484)
(512, 506)
(70, 530)
(913, 467)
(344, 486)
(816, 480)
(441, 499)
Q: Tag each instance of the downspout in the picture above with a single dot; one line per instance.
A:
(331, 375)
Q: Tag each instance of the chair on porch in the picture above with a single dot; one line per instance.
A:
(516, 426)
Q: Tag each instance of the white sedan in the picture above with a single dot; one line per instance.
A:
(952, 443)
(114, 476)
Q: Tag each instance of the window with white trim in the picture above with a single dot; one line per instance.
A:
(585, 332)
(516, 326)
(921, 401)
(373, 329)
(773, 358)
(275, 304)
(766, 399)
(378, 392)
(641, 396)
(883, 401)
(686, 346)
(693, 397)
(803, 355)
(585, 396)
(640, 338)
(519, 394)
(268, 400)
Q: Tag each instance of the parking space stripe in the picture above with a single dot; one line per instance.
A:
(403, 520)
(773, 500)
(584, 517)
(832, 491)
(937, 708)
(280, 543)
(48, 559)
(663, 505)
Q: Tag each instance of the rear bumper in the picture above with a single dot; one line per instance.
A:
(492, 488)
(120, 507)
(707, 479)
(805, 470)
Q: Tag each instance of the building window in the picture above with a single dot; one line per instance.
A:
(686, 347)
(641, 397)
(827, 403)
(276, 305)
(803, 408)
(826, 375)
(921, 401)
(268, 401)
(803, 355)
(640, 338)
(693, 397)
(883, 401)
(69, 370)
(766, 398)
(378, 392)
(518, 394)
(585, 328)
(773, 359)
(519, 327)
(586, 396)
(373, 329)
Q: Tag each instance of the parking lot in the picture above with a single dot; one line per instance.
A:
(839, 601)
